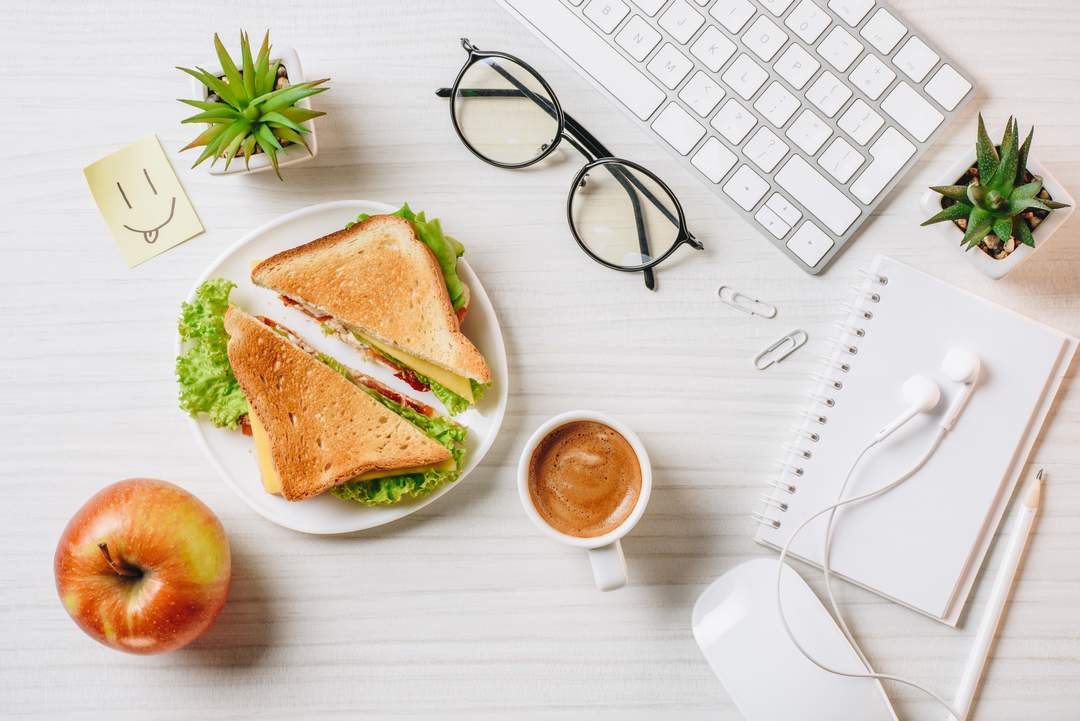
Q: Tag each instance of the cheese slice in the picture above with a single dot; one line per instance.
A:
(270, 479)
(458, 384)
(447, 465)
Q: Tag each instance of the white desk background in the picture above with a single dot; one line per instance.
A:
(464, 611)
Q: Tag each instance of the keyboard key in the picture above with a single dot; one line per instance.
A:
(883, 31)
(734, 121)
(649, 7)
(839, 48)
(860, 121)
(669, 66)
(678, 127)
(638, 38)
(809, 132)
(602, 62)
(745, 76)
(840, 160)
(912, 111)
(796, 66)
(607, 14)
(891, 151)
(810, 189)
(746, 187)
(852, 11)
(828, 93)
(714, 160)
(765, 149)
(732, 14)
(772, 222)
(777, 104)
(948, 87)
(702, 93)
(780, 205)
(764, 38)
(810, 244)
(915, 59)
(808, 21)
(681, 20)
(776, 7)
(713, 49)
(872, 76)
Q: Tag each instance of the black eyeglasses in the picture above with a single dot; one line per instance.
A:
(625, 218)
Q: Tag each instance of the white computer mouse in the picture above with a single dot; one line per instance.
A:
(737, 625)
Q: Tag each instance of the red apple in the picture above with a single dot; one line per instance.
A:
(143, 567)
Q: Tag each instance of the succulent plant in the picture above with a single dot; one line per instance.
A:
(994, 202)
(249, 110)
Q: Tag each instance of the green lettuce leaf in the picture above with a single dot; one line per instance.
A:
(478, 390)
(385, 491)
(446, 249)
(207, 383)
(454, 403)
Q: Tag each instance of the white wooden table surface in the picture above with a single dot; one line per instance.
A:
(464, 611)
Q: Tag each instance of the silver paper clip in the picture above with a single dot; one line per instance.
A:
(781, 349)
(745, 303)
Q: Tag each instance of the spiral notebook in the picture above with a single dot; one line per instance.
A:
(922, 543)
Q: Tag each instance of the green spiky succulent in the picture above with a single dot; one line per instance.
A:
(250, 110)
(994, 203)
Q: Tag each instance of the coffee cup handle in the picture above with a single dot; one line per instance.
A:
(608, 566)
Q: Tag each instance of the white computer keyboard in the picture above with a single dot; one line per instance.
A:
(801, 114)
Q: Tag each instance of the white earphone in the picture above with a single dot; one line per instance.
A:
(922, 395)
(962, 367)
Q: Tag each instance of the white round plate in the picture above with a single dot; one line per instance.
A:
(232, 451)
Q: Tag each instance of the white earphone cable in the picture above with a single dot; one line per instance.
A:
(826, 568)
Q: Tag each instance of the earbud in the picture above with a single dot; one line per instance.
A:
(960, 366)
(922, 395)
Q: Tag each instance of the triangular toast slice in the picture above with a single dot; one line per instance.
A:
(322, 429)
(378, 278)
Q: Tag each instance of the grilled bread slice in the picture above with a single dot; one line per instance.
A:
(317, 429)
(379, 281)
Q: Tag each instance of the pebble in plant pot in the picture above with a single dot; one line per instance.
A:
(999, 204)
(258, 110)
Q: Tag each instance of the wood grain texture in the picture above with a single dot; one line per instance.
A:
(463, 611)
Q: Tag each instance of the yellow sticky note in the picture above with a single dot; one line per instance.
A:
(142, 201)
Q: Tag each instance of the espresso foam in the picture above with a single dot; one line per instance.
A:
(584, 479)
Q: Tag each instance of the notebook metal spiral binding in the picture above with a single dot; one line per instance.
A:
(854, 326)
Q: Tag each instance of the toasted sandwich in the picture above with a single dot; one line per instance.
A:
(388, 285)
(316, 424)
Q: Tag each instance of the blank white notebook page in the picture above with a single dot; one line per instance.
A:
(915, 543)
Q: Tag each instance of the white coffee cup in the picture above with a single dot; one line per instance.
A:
(605, 552)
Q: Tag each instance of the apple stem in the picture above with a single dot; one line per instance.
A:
(119, 567)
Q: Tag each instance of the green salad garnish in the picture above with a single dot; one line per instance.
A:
(446, 249)
(207, 383)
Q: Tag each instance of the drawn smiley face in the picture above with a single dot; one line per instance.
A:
(149, 234)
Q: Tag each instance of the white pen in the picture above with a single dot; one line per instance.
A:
(999, 595)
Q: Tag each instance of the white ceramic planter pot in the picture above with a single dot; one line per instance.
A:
(291, 154)
(992, 267)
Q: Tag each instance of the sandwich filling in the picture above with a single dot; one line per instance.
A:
(456, 392)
